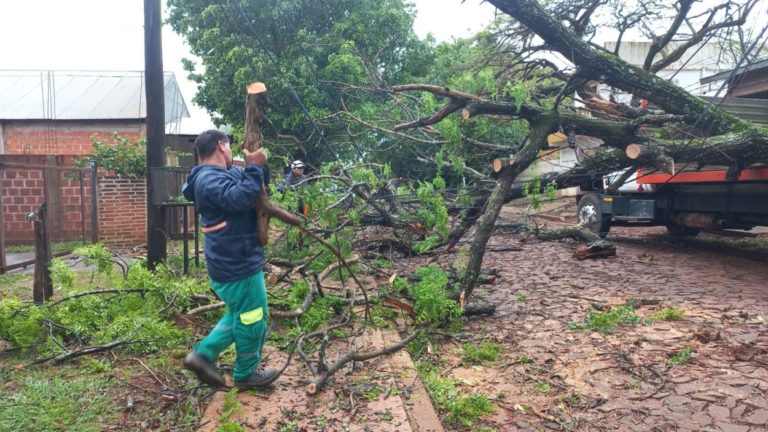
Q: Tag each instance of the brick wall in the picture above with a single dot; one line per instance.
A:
(23, 190)
(31, 137)
(122, 211)
(122, 203)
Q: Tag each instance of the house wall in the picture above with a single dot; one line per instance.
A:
(180, 150)
(34, 137)
(122, 209)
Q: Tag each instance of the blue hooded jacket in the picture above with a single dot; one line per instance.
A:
(225, 195)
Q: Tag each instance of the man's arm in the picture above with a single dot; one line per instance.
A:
(235, 196)
(240, 195)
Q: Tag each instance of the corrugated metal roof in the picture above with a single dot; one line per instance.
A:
(723, 75)
(754, 110)
(82, 95)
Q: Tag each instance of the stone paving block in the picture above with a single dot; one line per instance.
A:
(758, 418)
(730, 427)
(701, 419)
(738, 411)
(705, 397)
(719, 412)
(676, 400)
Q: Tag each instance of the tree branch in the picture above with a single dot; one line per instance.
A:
(354, 355)
(614, 71)
(660, 42)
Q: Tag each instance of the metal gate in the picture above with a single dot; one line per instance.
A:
(69, 194)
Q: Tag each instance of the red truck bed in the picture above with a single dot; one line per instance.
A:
(716, 175)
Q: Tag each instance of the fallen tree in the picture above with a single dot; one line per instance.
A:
(689, 131)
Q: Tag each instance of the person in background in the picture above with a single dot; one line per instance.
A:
(294, 177)
(225, 197)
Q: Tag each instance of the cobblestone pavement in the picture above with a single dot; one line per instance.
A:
(556, 377)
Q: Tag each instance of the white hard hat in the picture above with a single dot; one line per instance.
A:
(297, 164)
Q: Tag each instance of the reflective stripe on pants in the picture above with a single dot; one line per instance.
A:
(244, 324)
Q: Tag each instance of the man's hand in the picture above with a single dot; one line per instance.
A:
(259, 157)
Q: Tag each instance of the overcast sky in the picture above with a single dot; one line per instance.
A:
(109, 34)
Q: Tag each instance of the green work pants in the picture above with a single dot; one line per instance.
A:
(244, 323)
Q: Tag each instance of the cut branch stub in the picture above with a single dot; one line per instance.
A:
(257, 95)
(651, 155)
(254, 115)
(500, 163)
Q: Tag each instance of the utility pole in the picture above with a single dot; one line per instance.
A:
(155, 97)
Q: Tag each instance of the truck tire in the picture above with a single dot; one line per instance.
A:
(676, 230)
(591, 217)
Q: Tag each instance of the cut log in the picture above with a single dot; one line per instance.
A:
(499, 164)
(254, 116)
(475, 309)
(598, 249)
(256, 99)
(651, 155)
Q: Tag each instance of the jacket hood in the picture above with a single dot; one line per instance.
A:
(188, 189)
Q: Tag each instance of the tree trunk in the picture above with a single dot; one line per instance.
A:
(536, 140)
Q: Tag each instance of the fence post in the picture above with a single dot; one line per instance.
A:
(82, 204)
(2, 230)
(94, 202)
(43, 287)
(52, 196)
(186, 239)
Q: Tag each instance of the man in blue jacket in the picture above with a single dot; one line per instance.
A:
(225, 197)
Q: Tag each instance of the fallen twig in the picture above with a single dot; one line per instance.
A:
(165, 386)
(335, 266)
(109, 291)
(313, 293)
(353, 355)
(206, 308)
(72, 354)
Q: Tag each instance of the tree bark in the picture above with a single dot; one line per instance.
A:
(254, 112)
(536, 140)
(254, 116)
(651, 155)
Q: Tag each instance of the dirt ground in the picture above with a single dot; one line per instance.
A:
(552, 376)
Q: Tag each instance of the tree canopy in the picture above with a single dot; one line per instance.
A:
(303, 50)
(351, 83)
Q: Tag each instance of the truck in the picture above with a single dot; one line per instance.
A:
(685, 202)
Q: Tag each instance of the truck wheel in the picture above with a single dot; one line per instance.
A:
(591, 215)
(679, 231)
